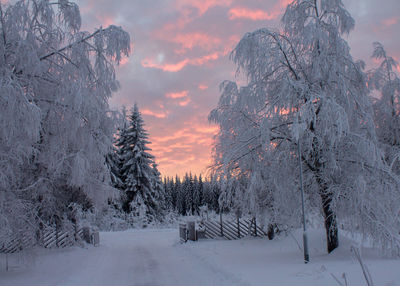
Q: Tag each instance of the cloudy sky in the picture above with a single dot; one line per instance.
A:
(181, 55)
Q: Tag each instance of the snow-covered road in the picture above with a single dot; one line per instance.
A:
(156, 258)
(148, 257)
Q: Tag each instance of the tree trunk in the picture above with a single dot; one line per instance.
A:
(332, 238)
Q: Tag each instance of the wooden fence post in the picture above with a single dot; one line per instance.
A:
(57, 236)
(220, 222)
(238, 226)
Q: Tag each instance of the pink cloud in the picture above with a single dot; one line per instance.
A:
(387, 23)
(124, 61)
(180, 94)
(254, 15)
(202, 87)
(190, 40)
(259, 15)
(210, 129)
(183, 150)
(185, 102)
(201, 6)
(152, 113)
(149, 63)
(106, 20)
(398, 68)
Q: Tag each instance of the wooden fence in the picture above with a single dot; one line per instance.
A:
(233, 229)
(49, 238)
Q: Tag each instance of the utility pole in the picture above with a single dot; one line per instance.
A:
(305, 240)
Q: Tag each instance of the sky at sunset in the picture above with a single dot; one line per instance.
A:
(181, 55)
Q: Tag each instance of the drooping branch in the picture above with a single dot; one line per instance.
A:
(72, 44)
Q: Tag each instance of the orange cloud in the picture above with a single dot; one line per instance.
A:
(174, 95)
(152, 113)
(149, 63)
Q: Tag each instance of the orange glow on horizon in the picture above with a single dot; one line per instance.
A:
(185, 150)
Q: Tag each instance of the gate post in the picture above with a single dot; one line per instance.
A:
(182, 232)
(191, 230)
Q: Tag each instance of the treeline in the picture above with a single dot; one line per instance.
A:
(186, 196)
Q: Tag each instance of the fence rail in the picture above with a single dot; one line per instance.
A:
(49, 238)
(233, 229)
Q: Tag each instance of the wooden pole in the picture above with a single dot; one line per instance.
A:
(305, 239)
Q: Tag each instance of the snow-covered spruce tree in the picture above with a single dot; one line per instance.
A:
(185, 197)
(198, 193)
(114, 157)
(158, 188)
(55, 128)
(387, 105)
(170, 193)
(114, 164)
(138, 175)
(305, 88)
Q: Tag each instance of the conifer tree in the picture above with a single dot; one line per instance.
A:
(137, 170)
(114, 165)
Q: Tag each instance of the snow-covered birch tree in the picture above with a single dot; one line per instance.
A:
(305, 88)
(385, 80)
(55, 83)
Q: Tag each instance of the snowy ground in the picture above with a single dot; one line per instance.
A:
(155, 257)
